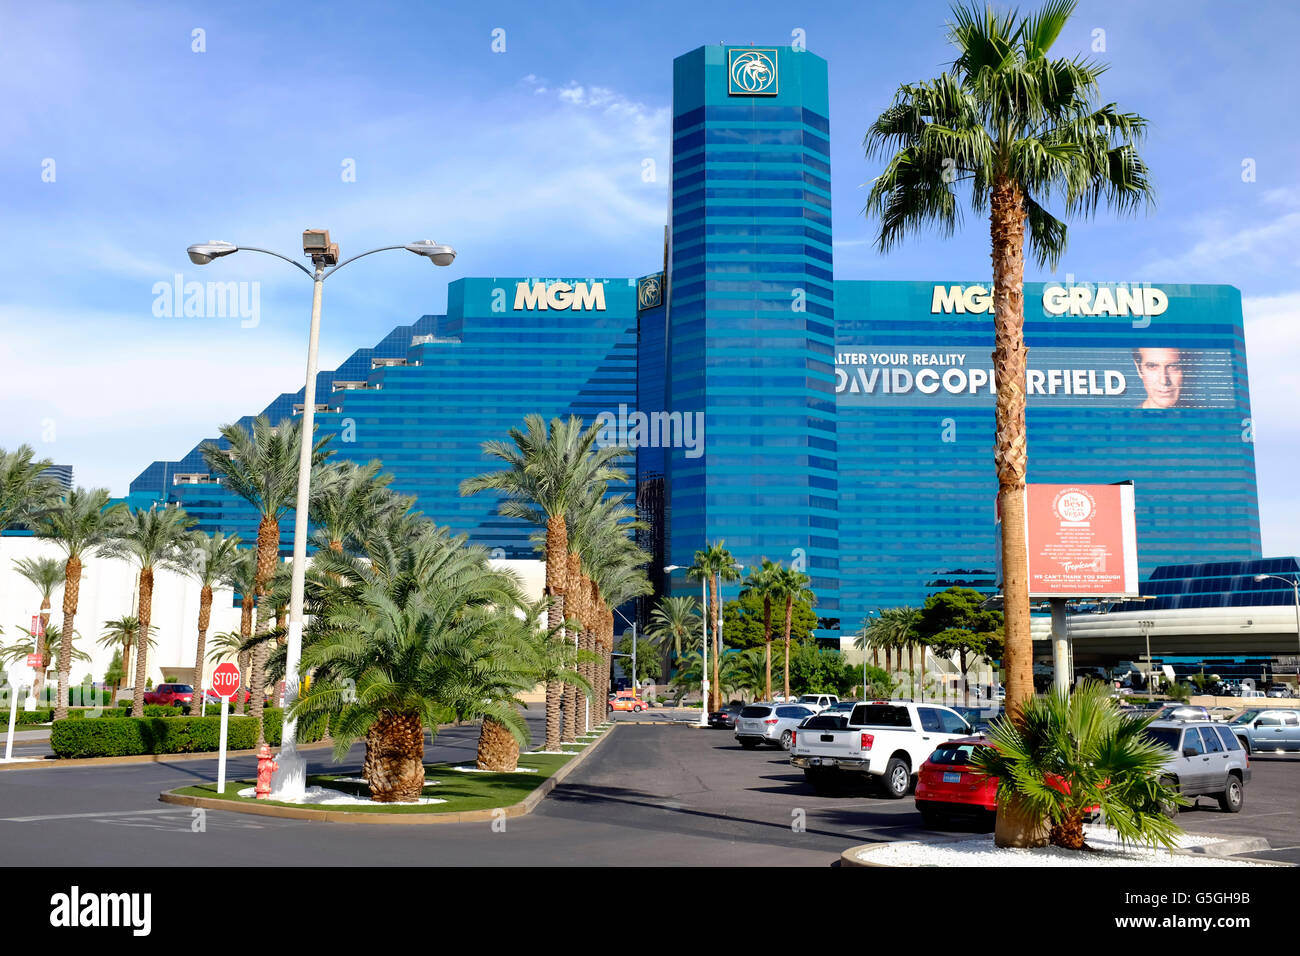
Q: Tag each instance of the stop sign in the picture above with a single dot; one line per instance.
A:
(225, 680)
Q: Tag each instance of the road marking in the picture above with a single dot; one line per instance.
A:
(71, 816)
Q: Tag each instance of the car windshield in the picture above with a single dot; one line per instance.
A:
(1165, 736)
(953, 756)
(182, 689)
(882, 715)
(809, 699)
(1246, 717)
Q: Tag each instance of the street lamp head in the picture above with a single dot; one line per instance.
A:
(201, 253)
(1261, 577)
(672, 567)
(436, 252)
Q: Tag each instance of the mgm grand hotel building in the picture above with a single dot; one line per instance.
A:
(844, 426)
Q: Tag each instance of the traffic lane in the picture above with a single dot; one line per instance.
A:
(1271, 809)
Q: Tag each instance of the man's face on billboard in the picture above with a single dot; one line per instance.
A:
(1161, 371)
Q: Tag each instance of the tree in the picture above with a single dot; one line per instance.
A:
(1063, 754)
(792, 587)
(242, 578)
(113, 676)
(212, 559)
(647, 661)
(45, 574)
(27, 645)
(80, 524)
(714, 564)
(548, 469)
(151, 539)
(260, 465)
(1022, 129)
(675, 627)
(815, 670)
(345, 499)
(25, 489)
(122, 633)
(744, 624)
(760, 586)
(954, 622)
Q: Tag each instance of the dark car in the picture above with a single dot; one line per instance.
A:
(726, 716)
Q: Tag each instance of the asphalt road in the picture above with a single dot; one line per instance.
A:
(651, 795)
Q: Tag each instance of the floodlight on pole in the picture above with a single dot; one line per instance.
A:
(201, 253)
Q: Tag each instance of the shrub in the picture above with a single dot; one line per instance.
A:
(126, 736)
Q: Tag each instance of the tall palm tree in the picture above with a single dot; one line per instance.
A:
(25, 489)
(548, 468)
(675, 626)
(80, 523)
(711, 564)
(45, 574)
(789, 585)
(261, 466)
(761, 582)
(27, 645)
(212, 559)
(151, 539)
(122, 632)
(344, 500)
(242, 579)
(1023, 129)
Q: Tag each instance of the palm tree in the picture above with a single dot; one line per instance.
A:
(762, 583)
(548, 469)
(261, 466)
(46, 574)
(1022, 129)
(711, 564)
(789, 585)
(25, 489)
(153, 538)
(24, 646)
(675, 627)
(345, 499)
(242, 578)
(212, 560)
(123, 631)
(1065, 753)
(80, 524)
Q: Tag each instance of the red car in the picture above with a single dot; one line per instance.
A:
(948, 787)
(170, 694)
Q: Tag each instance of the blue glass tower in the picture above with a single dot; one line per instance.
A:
(751, 334)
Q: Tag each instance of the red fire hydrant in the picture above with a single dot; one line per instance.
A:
(266, 765)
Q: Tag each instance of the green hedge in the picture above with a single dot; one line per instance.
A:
(125, 736)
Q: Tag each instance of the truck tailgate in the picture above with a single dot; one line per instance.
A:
(828, 743)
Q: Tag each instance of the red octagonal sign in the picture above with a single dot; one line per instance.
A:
(225, 680)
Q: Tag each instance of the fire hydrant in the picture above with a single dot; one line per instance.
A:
(266, 765)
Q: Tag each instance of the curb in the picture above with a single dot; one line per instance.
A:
(51, 763)
(524, 806)
(1226, 850)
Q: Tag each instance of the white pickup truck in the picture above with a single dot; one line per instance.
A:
(887, 741)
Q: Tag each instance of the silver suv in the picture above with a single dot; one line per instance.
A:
(1206, 759)
(763, 723)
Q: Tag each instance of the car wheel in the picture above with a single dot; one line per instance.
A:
(785, 739)
(898, 779)
(1245, 745)
(636, 710)
(1233, 797)
(748, 744)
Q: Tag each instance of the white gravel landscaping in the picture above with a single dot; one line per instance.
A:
(321, 796)
(980, 851)
(477, 770)
(428, 781)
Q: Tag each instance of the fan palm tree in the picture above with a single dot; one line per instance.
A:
(711, 564)
(25, 489)
(27, 645)
(122, 632)
(212, 559)
(789, 585)
(260, 465)
(1065, 753)
(761, 582)
(152, 539)
(1023, 129)
(675, 627)
(548, 468)
(80, 524)
(45, 574)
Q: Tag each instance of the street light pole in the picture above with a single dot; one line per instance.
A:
(290, 779)
(1295, 589)
(1146, 633)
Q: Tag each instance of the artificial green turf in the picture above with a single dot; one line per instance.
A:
(462, 791)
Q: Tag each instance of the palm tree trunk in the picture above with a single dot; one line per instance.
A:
(911, 671)
(557, 564)
(38, 682)
(553, 717)
(789, 612)
(573, 595)
(715, 692)
(497, 748)
(767, 648)
(142, 648)
(397, 765)
(268, 555)
(205, 615)
(71, 591)
(246, 602)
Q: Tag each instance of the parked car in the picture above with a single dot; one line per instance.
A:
(1279, 691)
(212, 698)
(626, 700)
(977, 717)
(1205, 759)
(1182, 712)
(726, 717)
(170, 694)
(769, 724)
(1268, 731)
(885, 741)
(817, 702)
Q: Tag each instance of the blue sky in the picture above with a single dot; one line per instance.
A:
(531, 160)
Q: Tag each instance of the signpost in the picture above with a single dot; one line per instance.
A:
(225, 684)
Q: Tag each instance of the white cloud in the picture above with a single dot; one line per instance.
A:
(1270, 242)
(1273, 356)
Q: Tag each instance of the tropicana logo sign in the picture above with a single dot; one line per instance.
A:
(560, 295)
(1084, 299)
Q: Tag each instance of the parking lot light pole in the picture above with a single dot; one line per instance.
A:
(1146, 634)
(291, 777)
(1295, 588)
